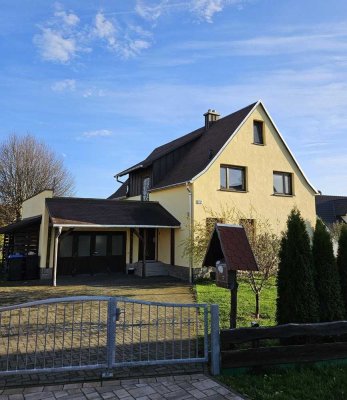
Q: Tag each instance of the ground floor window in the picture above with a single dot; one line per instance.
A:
(82, 244)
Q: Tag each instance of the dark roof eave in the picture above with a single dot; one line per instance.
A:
(24, 223)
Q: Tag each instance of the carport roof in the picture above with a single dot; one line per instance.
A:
(82, 212)
(22, 224)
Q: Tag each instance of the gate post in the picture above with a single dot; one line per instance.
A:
(215, 340)
(111, 334)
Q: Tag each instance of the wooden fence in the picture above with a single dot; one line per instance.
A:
(303, 343)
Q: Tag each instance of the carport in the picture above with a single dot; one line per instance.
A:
(90, 236)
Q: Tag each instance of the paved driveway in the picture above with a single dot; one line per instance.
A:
(75, 333)
(152, 289)
(186, 387)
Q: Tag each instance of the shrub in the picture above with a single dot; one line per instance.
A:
(297, 297)
(331, 306)
(342, 263)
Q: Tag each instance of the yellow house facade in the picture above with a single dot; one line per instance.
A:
(259, 168)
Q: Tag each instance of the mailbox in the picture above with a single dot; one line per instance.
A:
(229, 251)
(224, 278)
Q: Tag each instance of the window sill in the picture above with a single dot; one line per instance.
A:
(233, 191)
(259, 144)
(282, 195)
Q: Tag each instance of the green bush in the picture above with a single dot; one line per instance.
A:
(331, 307)
(342, 263)
(296, 297)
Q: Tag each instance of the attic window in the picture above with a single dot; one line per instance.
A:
(258, 132)
(146, 185)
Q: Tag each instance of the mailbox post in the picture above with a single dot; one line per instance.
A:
(229, 251)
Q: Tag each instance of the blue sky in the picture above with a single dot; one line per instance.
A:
(104, 82)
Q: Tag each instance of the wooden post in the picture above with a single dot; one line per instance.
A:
(144, 254)
(55, 260)
(233, 299)
(131, 245)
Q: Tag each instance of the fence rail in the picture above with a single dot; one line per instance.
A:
(301, 349)
(98, 332)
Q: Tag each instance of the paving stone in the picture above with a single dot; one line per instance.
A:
(121, 393)
(198, 394)
(206, 384)
(73, 386)
(142, 391)
(61, 393)
(16, 397)
(177, 395)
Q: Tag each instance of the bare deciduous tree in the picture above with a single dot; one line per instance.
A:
(264, 243)
(28, 166)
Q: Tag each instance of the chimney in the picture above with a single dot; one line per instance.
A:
(211, 116)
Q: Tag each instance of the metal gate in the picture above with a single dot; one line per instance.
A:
(87, 332)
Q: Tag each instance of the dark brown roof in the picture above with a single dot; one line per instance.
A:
(205, 143)
(331, 208)
(121, 192)
(231, 242)
(79, 211)
(21, 225)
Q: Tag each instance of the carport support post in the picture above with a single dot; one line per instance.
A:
(144, 239)
(55, 262)
(215, 340)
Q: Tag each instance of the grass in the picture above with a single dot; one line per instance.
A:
(208, 292)
(304, 383)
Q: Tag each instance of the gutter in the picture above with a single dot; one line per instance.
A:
(191, 236)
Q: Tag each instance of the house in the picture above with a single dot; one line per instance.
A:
(240, 161)
(332, 209)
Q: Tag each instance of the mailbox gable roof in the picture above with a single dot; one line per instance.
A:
(231, 242)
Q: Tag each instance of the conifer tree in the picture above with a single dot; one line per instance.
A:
(331, 306)
(342, 263)
(297, 297)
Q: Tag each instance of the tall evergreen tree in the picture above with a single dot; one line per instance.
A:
(331, 306)
(342, 263)
(297, 297)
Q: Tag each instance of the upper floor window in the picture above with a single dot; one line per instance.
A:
(233, 178)
(258, 132)
(146, 184)
(282, 182)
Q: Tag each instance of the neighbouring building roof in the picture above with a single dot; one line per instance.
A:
(230, 242)
(22, 224)
(331, 209)
(70, 211)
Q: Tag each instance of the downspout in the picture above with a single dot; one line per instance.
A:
(190, 227)
(118, 180)
(55, 262)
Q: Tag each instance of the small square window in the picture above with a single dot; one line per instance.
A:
(258, 134)
(282, 183)
(233, 178)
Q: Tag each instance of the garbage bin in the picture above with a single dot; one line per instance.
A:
(16, 264)
(31, 267)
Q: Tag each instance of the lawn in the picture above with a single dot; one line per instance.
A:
(304, 383)
(208, 292)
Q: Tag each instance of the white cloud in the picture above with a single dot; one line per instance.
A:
(150, 12)
(105, 29)
(53, 46)
(64, 85)
(70, 19)
(96, 133)
(206, 9)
